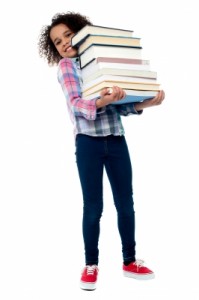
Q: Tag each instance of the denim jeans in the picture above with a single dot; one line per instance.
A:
(93, 154)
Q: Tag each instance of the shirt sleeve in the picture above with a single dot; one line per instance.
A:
(69, 79)
(127, 109)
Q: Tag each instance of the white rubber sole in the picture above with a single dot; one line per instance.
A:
(139, 277)
(87, 286)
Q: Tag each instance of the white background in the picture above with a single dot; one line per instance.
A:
(41, 247)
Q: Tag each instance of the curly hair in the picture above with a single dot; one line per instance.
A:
(74, 21)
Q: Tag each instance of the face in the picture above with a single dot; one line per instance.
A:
(61, 37)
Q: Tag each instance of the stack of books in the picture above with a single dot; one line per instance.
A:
(112, 56)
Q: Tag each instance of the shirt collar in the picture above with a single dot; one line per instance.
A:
(75, 59)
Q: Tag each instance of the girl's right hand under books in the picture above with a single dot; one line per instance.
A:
(109, 95)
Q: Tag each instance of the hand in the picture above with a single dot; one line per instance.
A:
(107, 96)
(157, 100)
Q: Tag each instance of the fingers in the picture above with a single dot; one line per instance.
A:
(159, 97)
(117, 93)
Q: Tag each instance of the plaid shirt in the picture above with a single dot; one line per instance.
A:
(86, 118)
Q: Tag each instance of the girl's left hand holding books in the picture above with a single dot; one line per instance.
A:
(157, 100)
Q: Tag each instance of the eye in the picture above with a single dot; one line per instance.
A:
(68, 34)
(57, 43)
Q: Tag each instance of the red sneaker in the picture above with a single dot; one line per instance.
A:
(137, 270)
(89, 278)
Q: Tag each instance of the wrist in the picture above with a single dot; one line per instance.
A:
(99, 103)
(138, 106)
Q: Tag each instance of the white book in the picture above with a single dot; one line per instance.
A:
(108, 40)
(122, 65)
(80, 36)
(117, 79)
(92, 68)
(122, 84)
(131, 96)
(95, 51)
(119, 72)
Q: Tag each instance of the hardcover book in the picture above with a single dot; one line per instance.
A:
(118, 79)
(115, 64)
(120, 72)
(108, 40)
(131, 96)
(80, 36)
(130, 85)
(95, 51)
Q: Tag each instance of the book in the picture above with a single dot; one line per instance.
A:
(108, 40)
(120, 72)
(80, 36)
(95, 51)
(130, 85)
(116, 79)
(131, 96)
(120, 60)
(116, 64)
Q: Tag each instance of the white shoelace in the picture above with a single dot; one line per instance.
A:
(139, 263)
(91, 269)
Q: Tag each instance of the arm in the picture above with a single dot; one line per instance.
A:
(128, 109)
(69, 79)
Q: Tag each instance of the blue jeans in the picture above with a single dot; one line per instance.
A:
(92, 155)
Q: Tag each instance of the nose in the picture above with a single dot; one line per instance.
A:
(66, 41)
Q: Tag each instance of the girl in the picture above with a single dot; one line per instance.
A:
(100, 143)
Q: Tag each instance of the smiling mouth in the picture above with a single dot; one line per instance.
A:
(68, 49)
